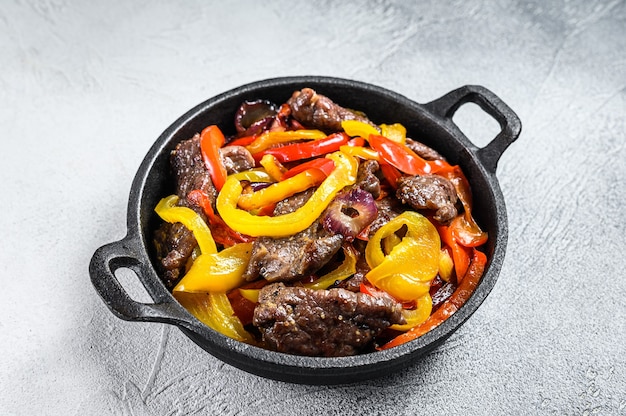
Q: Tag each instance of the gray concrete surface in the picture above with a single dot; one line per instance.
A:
(86, 88)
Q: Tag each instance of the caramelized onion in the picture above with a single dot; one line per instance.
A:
(253, 117)
(350, 212)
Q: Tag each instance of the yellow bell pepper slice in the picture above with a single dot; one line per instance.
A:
(217, 272)
(417, 316)
(244, 222)
(273, 167)
(281, 190)
(168, 211)
(268, 139)
(355, 128)
(360, 151)
(395, 132)
(345, 270)
(251, 294)
(254, 175)
(406, 271)
(215, 311)
(446, 265)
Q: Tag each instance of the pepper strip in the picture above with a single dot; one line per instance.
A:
(168, 211)
(460, 296)
(405, 273)
(323, 164)
(360, 151)
(215, 311)
(217, 272)
(273, 167)
(270, 138)
(281, 190)
(222, 234)
(242, 221)
(395, 132)
(416, 316)
(345, 270)
(299, 151)
(211, 139)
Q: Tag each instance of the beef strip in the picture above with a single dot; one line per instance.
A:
(388, 208)
(432, 192)
(366, 178)
(334, 322)
(236, 159)
(422, 150)
(174, 243)
(320, 112)
(190, 171)
(290, 258)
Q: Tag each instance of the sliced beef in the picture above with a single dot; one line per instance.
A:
(334, 322)
(320, 112)
(422, 150)
(189, 170)
(293, 202)
(432, 192)
(353, 283)
(366, 178)
(236, 159)
(388, 208)
(290, 258)
(174, 243)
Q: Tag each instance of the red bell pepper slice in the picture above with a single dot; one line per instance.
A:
(460, 254)
(391, 174)
(450, 306)
(211, 139)
(221, 232)
(242, 141)
(399, 156)
(356, 141)
(322, 164)
(464, 228)
(299, 151)
(243, 308)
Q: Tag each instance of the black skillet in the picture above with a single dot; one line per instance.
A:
(429, 123)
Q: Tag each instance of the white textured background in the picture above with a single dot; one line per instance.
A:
(87, 86)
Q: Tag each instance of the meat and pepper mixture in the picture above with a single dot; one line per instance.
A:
(315, 231)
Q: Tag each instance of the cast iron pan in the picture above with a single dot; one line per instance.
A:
(429, 123)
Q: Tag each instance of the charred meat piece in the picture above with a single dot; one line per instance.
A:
(174, 243)
(432, 192)
(291, 258)
(293, 202)
(320, 112)
(388, 209)
(422, 150)
(366, 178)
(334, 322)
(189, 169)
(236, 159)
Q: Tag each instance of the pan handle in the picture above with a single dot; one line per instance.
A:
(510, 124)
(120, 254)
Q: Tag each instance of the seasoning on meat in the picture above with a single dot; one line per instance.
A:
(431, 192)
(423, 151)
(366, 178)
(334, 322)
(317, 111)
(291, 258)
(236, 159)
